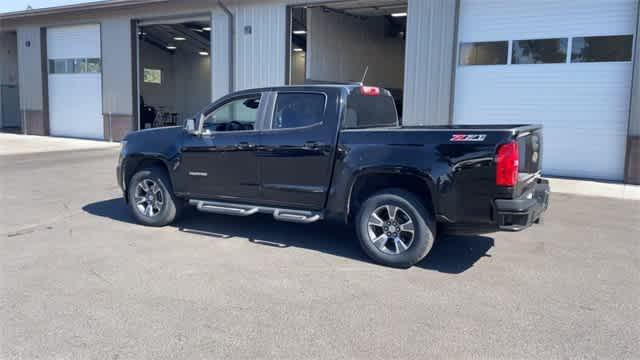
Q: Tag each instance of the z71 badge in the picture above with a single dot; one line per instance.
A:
(466, 137)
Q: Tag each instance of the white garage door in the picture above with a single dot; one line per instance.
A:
(564, 64)
(75, 81)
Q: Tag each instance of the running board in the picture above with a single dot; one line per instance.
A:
(298, 216)
(290, 215)
(226, 209)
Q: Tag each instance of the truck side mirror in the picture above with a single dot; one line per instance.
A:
(190, 126)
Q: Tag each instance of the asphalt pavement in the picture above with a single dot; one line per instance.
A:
(80, 280)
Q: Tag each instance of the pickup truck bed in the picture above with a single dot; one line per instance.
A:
(460, 173)
(337, 152)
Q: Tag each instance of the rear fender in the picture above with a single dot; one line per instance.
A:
(393, 171)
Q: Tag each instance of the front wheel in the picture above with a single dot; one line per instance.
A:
(395, 229)
(150, 198)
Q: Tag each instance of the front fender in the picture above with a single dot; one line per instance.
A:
(130, 163)
(159, 146)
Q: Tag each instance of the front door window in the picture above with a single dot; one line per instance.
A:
(236, 115)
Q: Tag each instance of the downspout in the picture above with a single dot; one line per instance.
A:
(231, 45)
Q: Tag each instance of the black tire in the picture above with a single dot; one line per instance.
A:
(423, 222)
(171, 207)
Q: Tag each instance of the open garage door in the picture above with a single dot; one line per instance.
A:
(174, 69)
(337, 42)
(75, 81)
(519, 63)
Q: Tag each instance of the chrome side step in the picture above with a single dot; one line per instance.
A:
(299, 216)
(219, 208)
(290, 215)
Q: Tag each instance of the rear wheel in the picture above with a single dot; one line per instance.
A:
(151, 199)
(395, 229)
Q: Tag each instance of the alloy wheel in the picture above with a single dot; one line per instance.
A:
(391, 229)
(148, 197)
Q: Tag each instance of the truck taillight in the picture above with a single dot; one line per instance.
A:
(369, 91)
(507, 162)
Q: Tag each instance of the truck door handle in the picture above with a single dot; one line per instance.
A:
(244, 145)
(312, 145)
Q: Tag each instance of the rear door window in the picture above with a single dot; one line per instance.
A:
(296, 110)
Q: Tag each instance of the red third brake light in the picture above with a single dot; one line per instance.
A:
(507, 162)
(369, 91)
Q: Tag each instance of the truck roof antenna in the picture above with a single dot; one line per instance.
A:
(364, 76)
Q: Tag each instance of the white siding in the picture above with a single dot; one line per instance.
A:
(429, 62)
(260, 56)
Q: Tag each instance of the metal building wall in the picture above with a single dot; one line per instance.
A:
(29, 65)
(117, 59)
(428, 84)
(220, 48)
(30, 80)
(117, 77)
(116, 66)
(632, 161)
(260, 44)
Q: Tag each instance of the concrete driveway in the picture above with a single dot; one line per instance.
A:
(79, 280)
(13, 144)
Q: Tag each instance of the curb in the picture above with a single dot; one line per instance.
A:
(595, 188)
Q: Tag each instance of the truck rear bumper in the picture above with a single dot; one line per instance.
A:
(519, 214)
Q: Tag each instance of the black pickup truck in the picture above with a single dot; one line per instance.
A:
(337, 152)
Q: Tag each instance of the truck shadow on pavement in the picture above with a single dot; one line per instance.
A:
(452, 254)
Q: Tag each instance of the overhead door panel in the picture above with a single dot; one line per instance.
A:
(73, 41)
(482, 20)
(75, 81)
(583, 102)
